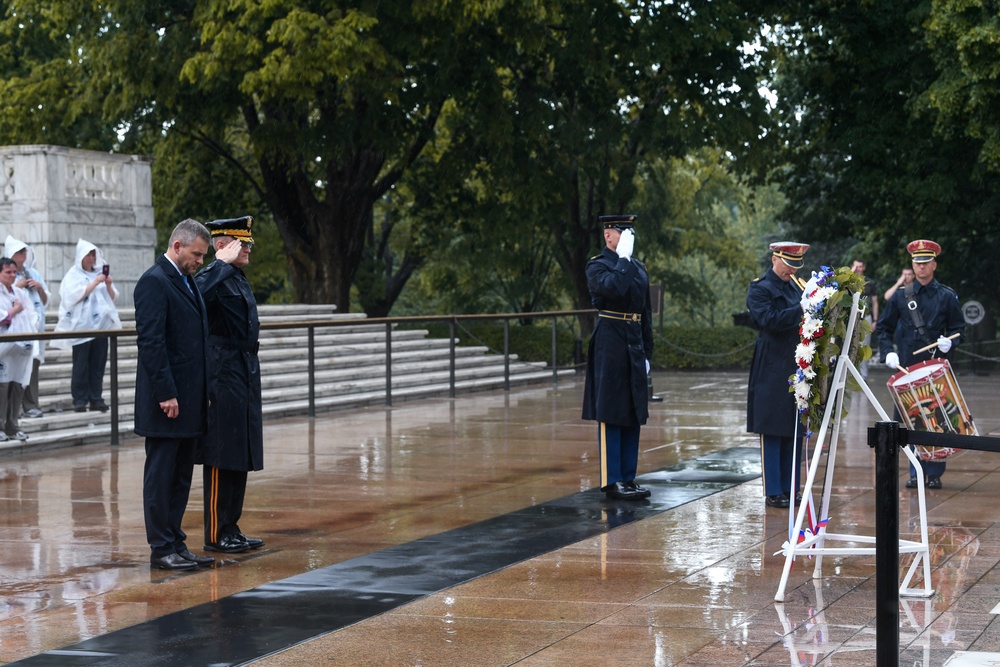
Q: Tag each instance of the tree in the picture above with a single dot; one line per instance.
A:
(599, 89)
(337, 99)
(865, 156)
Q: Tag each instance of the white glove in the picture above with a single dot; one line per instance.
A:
(804, 300)
(944, 344)
(647, 366)
(625, 244)
(892, 360)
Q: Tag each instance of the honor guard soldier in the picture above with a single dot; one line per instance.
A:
(615, 393)
(926, 313)
(234, 443)
(775, 304)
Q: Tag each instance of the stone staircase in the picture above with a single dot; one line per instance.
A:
(349, 372)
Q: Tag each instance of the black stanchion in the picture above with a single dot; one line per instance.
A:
(885, 439)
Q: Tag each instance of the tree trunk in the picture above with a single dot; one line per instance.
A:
(324, 238)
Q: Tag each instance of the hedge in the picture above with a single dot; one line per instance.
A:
(676, 348)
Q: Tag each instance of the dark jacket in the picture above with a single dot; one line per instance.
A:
(615, 391)
(235, 438)
(938, 305)
(172, 337)
(775, 308)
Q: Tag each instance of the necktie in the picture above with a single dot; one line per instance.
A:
(187, 281)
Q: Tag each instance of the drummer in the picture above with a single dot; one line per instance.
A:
(933, 319)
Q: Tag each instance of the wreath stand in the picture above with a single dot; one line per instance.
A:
(804, 542)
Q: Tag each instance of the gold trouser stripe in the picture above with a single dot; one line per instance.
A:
(763, 468)
(213, 504)
(603, 438)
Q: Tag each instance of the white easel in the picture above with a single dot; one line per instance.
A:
(815, 545)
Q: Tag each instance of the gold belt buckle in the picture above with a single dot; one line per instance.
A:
(634, 317)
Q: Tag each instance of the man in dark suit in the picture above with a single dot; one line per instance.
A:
(171, 392)
(615, 393)
(775, 304)
(234, 444)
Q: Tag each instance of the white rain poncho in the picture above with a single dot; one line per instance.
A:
(15, 357)
(79, 311)
(10, 247)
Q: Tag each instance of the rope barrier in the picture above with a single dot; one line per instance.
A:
(706, 354)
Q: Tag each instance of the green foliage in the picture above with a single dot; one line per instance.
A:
(701, 348)
(674, 348)
(886, 109)
(530, 342)
(699, 234)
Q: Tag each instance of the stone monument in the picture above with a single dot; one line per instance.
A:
(52, 196)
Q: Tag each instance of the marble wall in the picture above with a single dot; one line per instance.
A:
(51, 196)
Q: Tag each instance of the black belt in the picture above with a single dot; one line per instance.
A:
(242, 345)
(625, 317)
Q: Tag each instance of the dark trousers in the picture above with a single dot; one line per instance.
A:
(224, 494)
(930, 468)
(619, 452)
(89, 360)
(166, 484)
(776, 465)
(10, 406)
(30, 399)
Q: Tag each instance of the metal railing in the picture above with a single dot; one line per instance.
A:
(310, 326)
(886, 438)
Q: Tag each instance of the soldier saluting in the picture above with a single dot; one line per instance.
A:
(615, 393)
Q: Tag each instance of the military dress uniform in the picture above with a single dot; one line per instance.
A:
(616, 389)
(775, 306)
(234, 443)
(942, 316)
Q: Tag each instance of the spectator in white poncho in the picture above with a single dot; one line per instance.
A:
(30, 280)
(17, 316)
(87, 303)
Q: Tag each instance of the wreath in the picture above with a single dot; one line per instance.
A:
(827, 299)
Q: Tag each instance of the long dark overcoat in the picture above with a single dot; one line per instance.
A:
(775, 308)
(615, 391)
(172, 340)
(235, 438)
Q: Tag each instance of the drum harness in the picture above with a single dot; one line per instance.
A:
(918, 319)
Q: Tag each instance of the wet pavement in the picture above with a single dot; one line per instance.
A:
(468, 532)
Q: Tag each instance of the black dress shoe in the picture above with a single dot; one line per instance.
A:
(228, 545)
(172, 562)
(631, 485)
(619, 491)
(80, 408)
(197, 560)
(252, 542)
(777, 501)
(933, 482)
(911, 483)
(99, 406)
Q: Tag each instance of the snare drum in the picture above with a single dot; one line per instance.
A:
(929, 399)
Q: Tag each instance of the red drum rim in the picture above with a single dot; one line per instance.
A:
(919, 374)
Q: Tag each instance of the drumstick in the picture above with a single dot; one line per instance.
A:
(933, 345)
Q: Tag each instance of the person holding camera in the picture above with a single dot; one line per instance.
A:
(87, 303)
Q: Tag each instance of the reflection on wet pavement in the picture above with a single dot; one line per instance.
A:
(468, 532)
